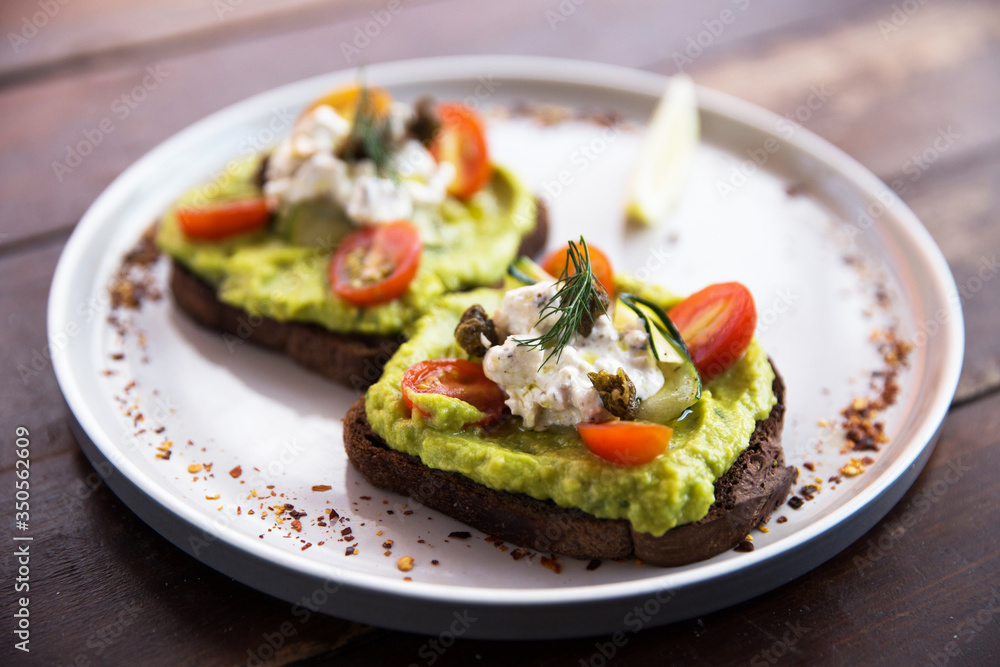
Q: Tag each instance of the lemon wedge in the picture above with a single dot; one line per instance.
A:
(666, 154)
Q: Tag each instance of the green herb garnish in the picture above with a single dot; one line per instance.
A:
(370, 137)
(580, 300)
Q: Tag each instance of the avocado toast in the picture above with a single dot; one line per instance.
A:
(330, 245)
(611, 447)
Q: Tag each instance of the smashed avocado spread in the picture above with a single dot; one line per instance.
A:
(674, 489)
(472, 243)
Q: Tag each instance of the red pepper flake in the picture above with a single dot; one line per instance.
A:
(321, 487)
(810, 466)
(518, 554)
(118, 356)
(366, 497)
(862, 432)
(345, 532)
(496, 542)
(236, 472)
(552, 564)
(434, 562)
(297, 526)
(387, 544)
(781, 519)
(350, 551)
(159, 429)
(307, 545)
(407, 512)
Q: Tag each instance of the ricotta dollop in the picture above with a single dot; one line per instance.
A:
(305, 166)
(560, 393)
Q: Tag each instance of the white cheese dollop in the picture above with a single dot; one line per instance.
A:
(304, 166)
(560, 393)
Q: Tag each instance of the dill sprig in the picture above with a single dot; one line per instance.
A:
(578, 303)
(370, 136)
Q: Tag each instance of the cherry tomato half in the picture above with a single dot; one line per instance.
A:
(717, 324)
(345, 101)
(376, 263)
(456, 378)
(600, 266)
(462, 142)
(625, 443)
(218, 221)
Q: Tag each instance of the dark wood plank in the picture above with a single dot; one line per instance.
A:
(57, 36)
(29, 394)
(105, 589)
(887, 98)
(960, 207)
(43, 131)
(903, 602)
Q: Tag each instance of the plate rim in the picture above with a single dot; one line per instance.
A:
(613, 78)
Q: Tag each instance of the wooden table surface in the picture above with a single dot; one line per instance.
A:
(106, 589)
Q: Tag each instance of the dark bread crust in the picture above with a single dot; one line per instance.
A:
(353, 360)
(745, 496)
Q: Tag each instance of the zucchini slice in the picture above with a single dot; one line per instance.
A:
(522, 272)
(682, 383)
(318, 223)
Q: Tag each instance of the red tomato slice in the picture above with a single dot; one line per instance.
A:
(456, 378)
(376, 263)
(218, 221)
(717, 324)
(555, 263)
(625, 443)
(462, 142)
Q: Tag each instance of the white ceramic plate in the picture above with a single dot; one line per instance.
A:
(238, 405)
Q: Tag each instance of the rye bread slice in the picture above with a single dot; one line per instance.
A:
(353, 360)
(745, 496)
